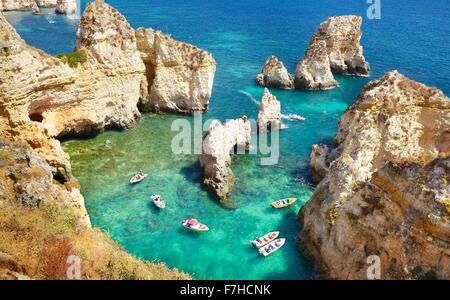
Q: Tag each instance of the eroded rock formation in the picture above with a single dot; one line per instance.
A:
(385, 188)
(275, 75)
(179, 76)
(342, 35)
(313, 72)
(65, 6)
(215, 160)
(269, 117)
(334, 48)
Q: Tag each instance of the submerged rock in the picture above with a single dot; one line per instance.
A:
(342, 35)
(269, 117)
(275, 75)
(313, 72)
(385, 185)
(180, 76)
(216, 159)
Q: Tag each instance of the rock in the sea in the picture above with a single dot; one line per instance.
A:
(26, 5)
(342, 35)
(313, 72)
(269, 117)
(68, 7)
(275, 75)
(35, 9)
(46, 3)
(180, 76)
(216, 160)
(385, 190)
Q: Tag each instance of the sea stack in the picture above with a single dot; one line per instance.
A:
(180, 76)
(68, 7)
(269, 117)
(215, 160)
(274, 75)
(313, 72)
(333, 49)
(342, 35)
(385, 186)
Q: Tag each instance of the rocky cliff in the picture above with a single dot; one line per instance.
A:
(62, 6)
(180, 76)
(218, 142)
(313, 72)
(384, 188)
(333, 48)
(42, 98)
(269, 116)
(274, 75)
(342, 35)
(66, 7)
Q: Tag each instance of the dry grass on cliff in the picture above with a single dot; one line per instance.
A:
(41, 240)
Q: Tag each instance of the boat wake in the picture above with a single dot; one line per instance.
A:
(250, 96)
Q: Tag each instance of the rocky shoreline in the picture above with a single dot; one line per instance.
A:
(101, 85)
(383, 186)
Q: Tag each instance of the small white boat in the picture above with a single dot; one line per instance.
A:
(272, 247)
(296, 117)
(194, 225)
(138, 177)
(158, 201)
(265, 239)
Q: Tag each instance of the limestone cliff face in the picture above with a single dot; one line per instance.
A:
(269, 116)
(28, 180)
(216, 160)
(342, 35)
(26, 5)
(313, 72)
(334, 48)
(66, 7)
(385, 185)
(179, 76)
(275, 75)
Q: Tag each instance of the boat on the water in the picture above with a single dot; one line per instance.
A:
(265, 239)
(158, 201)
(272, 247)
(138, 177)
(284, 202)
(194, 225)
(296, 117)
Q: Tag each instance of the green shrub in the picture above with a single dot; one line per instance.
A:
(74, 58)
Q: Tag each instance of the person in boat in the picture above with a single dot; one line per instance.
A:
(258, 240)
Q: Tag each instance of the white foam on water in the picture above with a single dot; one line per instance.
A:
(250, 96)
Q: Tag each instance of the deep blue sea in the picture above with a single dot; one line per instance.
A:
(412, 36)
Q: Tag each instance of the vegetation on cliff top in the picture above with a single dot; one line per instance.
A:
(74, 58)
(40, 240)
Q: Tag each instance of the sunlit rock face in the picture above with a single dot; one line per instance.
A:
(333, 49)
(342, 35)
(180, 76)
(269, 116)
(68, 7)
(216, 159)
(313, 72)
(384, 186)
(274, 75)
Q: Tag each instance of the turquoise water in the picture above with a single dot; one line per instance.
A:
(411, 37)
